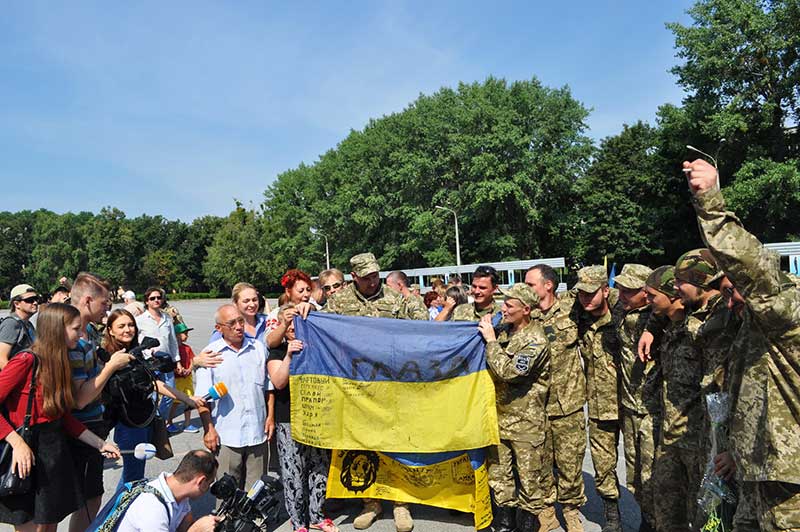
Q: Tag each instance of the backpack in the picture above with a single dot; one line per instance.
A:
(111, 515)
(24, 339)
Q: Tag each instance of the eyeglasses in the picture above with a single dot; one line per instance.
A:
(334, 286)
(155, 298)
(229, 324)
(31, 300)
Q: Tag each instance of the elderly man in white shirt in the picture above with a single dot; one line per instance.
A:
(169, 511)
(237, 426)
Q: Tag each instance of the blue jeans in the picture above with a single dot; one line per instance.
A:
(127, 438)
(166, 402)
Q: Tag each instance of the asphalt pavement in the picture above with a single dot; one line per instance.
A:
(199, 315)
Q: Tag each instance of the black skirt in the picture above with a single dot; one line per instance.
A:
(55, 489)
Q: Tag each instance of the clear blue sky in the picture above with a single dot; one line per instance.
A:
(176, 108)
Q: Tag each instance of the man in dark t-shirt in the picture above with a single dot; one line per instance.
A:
(16, 331)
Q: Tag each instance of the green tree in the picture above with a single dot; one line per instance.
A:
(160, 267)
(15, 248)
(109, 246)
(59, 247)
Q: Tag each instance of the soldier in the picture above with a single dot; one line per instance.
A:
(399, 281)
(765, 369)
(599, 347)
(639, 388)
(484, 284)
(566, 437)
(367, 296)
(519, 360)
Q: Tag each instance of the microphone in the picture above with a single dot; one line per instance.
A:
(143, 451)
(216, 392)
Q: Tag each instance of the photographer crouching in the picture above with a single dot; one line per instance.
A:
(129, 394)
(162, 504)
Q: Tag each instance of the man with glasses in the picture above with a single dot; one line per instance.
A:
(484, 285)
(236, 427)
(331, 281)
(16, 331)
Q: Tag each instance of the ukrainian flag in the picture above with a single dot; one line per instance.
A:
(391, 385)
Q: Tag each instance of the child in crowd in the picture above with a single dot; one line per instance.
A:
(183, 379)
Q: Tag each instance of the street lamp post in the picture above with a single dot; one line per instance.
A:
(314, 231)
(458, 245)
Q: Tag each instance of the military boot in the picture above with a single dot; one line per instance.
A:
(526, 522)
(504, 519)
(402, 518)
(573, 518)
(548, 520)
(613, 522)
(369, 514)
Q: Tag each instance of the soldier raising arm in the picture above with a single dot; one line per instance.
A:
(765, 369)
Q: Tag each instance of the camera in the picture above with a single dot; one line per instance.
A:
(128, 393)
(246, 511)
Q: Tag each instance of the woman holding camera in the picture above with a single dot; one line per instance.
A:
(122, 334)
(56, 492)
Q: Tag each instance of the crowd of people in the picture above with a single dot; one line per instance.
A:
(649, 360)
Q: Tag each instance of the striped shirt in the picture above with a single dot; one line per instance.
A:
(85, 366)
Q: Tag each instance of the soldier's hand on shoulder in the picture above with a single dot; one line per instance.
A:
(486, 329)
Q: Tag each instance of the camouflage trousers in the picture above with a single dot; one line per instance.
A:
(676, 481)
(566, 443)
(777, 506)
(746, 519)
(639, 434)
(521, 475)
(603, 441)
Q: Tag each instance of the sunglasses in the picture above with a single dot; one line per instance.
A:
(329, 287)
(31, 300)
(155, 298)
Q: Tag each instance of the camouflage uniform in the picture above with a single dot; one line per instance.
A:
(765, 374)
(639, 393)
(599, 346)
(520, 365)
(566, 437)
(469, 312)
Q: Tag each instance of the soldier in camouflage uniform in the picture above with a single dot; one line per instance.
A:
(765, 371)
(566, 439)
(367, 296)
(639, 388)
(484, 284)
(599, 346)
(520, 470)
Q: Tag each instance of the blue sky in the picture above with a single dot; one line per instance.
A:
(176, 108)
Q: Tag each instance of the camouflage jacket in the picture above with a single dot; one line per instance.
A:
(639, 382)
(713, 339)
(599, 346)
(567, 381)
(468, 312)
(682, 412)
(520, 365)
(765, 364)
(386, 303)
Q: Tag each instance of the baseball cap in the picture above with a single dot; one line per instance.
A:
(591, 278)
(697, 267)
(364, 264)
(182, 328)
(522, 292)
(633, 276)
(663, 280)
(21, 290)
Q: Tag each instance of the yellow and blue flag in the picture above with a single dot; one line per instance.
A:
(391, 385)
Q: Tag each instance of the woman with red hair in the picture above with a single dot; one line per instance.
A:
(297, 291)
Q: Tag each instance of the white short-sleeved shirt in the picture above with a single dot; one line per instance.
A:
(147, 514)
(240, 416)
(162, 330)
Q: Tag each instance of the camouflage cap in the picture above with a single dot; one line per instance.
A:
(413, 286)
(364, 264)
(591, 278)
(663, 280)
(522, 292)
(697, 267)
(633, 276)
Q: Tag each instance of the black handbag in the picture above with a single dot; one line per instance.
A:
(10, 483)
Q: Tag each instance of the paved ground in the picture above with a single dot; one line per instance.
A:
(199, 315)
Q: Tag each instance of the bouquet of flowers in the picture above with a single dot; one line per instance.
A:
(713, 489)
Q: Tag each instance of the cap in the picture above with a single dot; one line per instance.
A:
(522, 292)
(697, 267)
(364, 264)
(181, 328)
(591, 278)
(414, 286)
(20, 290)
(663, 280)
(633, 276)
(129, 295)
